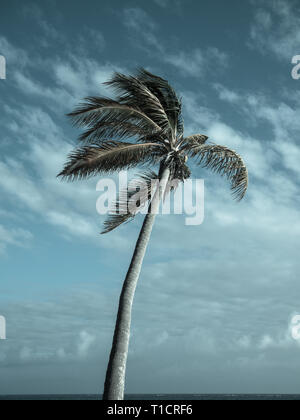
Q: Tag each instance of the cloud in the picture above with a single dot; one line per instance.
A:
(162, 3)
(57, 330)
(276, 29)
(72, 223)
(93, 39)
(282, 340)
(55, 98)
(72, 79)
(49, 31)
(45, 150)
(193, 307)
(195, 63)
(85, 342)
(14, 183)
(226, 94)
(135, 18)
(13, 54)
(29, 179)
(14, 236)
(30, 183)
(244, 342)
(70, 76)
(283, 119)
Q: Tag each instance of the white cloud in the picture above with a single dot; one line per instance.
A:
(206, 121)
(31, 176)
(197, 62)
(13, 55)
(283, 119)
(276, 29)
(46, 150)
(135, 18)
(81, 76)
(72, 223)
(138, 21)
(30, 181)
(73, 79)
(290, 153)
(226, 94)
(86, 340)
(55, 98)
(199, 117)
(193, 63)
(280, 340)
(14, 236)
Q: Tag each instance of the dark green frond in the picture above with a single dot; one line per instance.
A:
(155, 137)
(119, 130)
(96, 111)
(122, 212)
(226, 162)
(133, 93)
(176, 162)
(188, 143)
(109, 157)
(167, 97)
(115, 220)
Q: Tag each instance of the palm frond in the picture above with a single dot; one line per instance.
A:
(97, 110)
(134, 93)
(109, 157)
(167, 97)
(176, 162)
(122, 211)
(190, 142)
(226, 162)
(119, 130)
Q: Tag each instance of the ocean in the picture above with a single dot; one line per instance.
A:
(155, 397)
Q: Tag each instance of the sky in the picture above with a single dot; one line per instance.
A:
(214, 303)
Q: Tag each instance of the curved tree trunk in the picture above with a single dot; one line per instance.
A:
(115, 375)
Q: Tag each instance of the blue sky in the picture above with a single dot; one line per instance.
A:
(213, 306)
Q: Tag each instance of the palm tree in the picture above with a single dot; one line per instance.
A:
(147, 112)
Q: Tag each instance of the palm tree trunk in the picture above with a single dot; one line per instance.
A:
(115, 375)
